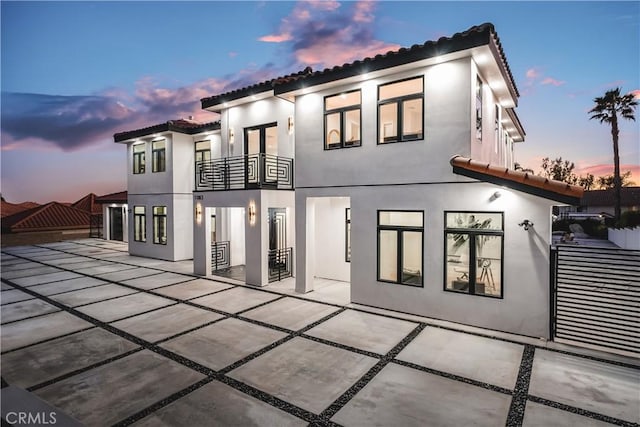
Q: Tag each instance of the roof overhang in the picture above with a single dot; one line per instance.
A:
(163, 128)
(517, 180)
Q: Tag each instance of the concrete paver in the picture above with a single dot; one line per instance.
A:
(365, 331)
(91, 295)
(587, 384)
(66, 285)
(24, 309)
(401, 396)
(166, 322)
(6, 287)
(30, 331)
(223, 343)
(306, 373)
(42, 362)
(536, 415)
(216, 404)
(28, 272)
(101, 269)
(235, 300)
(112, 392)
(290, 313)
(157, 281)
(192, 289)
(479, 358)
(115, 309)
(13, 295)
(45, 278)
(131, 273)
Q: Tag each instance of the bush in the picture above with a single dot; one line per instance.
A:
(629, 219)
(592, 227)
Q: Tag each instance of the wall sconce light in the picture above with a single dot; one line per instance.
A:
(252, 213)
(232, 136)
(526, 224)
(495, 196)
(290, 125)
(198, 213)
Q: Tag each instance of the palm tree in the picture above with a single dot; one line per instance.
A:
(606, 110)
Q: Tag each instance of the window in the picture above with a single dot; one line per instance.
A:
(478, 109)
(160, 225)
(474, 248)
(159, 156)
(203, 151)
(138, 158)
(400, 110)
(342, 120)
(347, 235)
(497, 128)
(139, 224)
(400, 247)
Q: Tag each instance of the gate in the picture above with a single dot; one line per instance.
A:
(595, 296)
(220, 255)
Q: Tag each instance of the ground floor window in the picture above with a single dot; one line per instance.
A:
(400, 247)
(139, 224)
(347, 234)
(474, 249)
(160, 225)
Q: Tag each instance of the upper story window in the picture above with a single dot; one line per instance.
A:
(159, 156)
(474, 250)
(400, 245)
(138, 158)
(342, 120)
(497, 128)
(139, 224)
(478, 109)
(203, 151)
(400, 111)
(160, 225)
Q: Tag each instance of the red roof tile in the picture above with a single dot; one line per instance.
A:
(523, 181)
(7, 208)
(88, 204)
(119, 197)
(52, 216)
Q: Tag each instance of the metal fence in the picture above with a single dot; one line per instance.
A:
(220, 255)
(243, 172)
(595, 296)
(280, 264)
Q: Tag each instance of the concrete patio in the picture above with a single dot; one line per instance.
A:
(103, 338)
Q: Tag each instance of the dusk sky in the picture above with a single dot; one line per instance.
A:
(75, 73)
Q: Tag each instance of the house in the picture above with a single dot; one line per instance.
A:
(112, 223)
(391, 173)
(602, 201)
(7, 208)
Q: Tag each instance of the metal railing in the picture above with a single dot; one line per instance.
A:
(280, 264)
(220, 255)
(595, 296)
(245, 172)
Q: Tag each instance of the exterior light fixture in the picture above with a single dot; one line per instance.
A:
(495, 196)
(252, 213)
(198, 213)
(290, 125)
(232, 136)
(526, 224)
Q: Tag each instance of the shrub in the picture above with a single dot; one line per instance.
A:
(629, 219)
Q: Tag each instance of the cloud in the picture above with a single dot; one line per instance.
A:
(635, 93)
(535, 76)
(552, 81)
(533, 73)
(607, 169)
(324, 34)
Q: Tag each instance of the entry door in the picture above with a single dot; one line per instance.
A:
(261, 147)
(115, 224)
(277, 228)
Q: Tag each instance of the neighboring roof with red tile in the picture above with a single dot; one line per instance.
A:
(518, 180)
(119, 197)
(254, 89)
(188, 127)
(7, 208)
(88, 204)
(52, 216)
(629, 196)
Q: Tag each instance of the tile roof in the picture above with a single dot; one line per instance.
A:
(476, 36)
(119, 197)
(7, 208)
(629, 196)
(188, 127)
(51, 216)
(254, 89)
(88, 204)
(518, 180)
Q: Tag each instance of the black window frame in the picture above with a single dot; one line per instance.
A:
(342, 111)
(400, 231)
(473, 263)
(156, 237)
(158, 156)
(399, 101)
(479, 107)
(140, 222)
(139, 159)
(347, 234)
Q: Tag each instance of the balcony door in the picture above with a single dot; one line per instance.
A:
(261, 148)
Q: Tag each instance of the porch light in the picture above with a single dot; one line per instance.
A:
(495, 196)
(198, 213)
(232, 136)
(526, 224)
(252, 213)
(290, 125)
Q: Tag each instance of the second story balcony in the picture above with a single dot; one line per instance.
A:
(252, 171)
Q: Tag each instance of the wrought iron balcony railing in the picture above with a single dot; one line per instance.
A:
(245, 172)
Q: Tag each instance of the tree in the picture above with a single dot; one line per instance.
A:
(607, 181)
(559, 170)
(606, 110)
(518, 167)
(587, 182)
